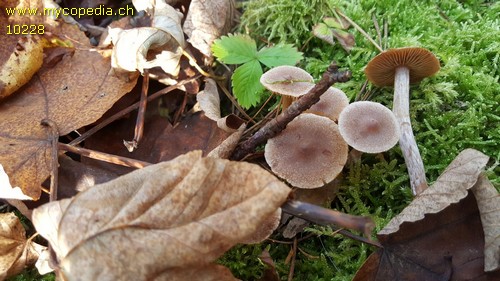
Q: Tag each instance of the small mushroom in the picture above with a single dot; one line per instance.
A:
(400, 67)
(288, 81)
(369, 127)
(308, 153)
(331, 103)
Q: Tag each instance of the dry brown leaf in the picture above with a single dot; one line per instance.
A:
(20, 58)
(73, 93)
(209, 102)
(488, 203)
(15, 251)
(165, 39)
(9, 192)
(451, 187)
(171, 216)
(226, 148)
(207, 21)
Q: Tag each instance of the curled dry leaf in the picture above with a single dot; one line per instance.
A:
(451, 187)
(209, 102)
(207, 21)
(488, 203)
(15, 251)
(174, 216)
(226, 148)
(165, 39)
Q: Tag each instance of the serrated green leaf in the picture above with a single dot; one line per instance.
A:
(278, 55)
(246, 86)
(235, 49)
(323, 32)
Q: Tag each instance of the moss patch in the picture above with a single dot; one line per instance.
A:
(456, 109)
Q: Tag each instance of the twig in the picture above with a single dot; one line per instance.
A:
(139, 124)
(361, 31)
(294, 257)
(275, 126)
(129, 109)
(115, 159)
(323, 216)
(377, 28)
(54, 174)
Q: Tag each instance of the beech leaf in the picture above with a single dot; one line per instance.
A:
(165, 38)
(449, 188)
(488, 203)
(207, 21)
(176, 216)
(443, 234)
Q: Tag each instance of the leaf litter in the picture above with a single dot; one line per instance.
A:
(446, 233)
(166, 221)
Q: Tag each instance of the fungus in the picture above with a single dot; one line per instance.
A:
(308, 153)
(400, 67)
(369, 127)
(288, 81)
(331, 103)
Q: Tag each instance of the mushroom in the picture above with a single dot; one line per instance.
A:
(288, 81)
(400, 67)
(331, 103)
(308, 153)
(369, 127)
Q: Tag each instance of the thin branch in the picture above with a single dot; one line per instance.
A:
(129, 109)
(110, 158)
(139, 124)
(275, 126)
(361, 31)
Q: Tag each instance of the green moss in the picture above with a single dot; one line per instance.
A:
(32, 274)
(456, 109)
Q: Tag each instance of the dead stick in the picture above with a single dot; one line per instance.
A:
(129, 109)
(54, 174)
(139, 124)
(275, 126)
(327, 217)
(110, 158)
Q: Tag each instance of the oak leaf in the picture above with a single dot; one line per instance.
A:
(163, 221)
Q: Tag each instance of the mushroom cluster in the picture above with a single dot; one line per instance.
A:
(312, 150)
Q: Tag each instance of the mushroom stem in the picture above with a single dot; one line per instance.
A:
(401, 109)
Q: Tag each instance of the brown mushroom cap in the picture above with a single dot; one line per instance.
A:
(287, 80)
(369, 127)
(421, 63)
(331, 103)
(308, 153)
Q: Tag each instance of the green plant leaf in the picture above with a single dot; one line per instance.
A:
(284, 54)
(246, 86)
(235, 49)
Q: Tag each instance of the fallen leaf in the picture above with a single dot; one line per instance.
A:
(147, 47)
(207, 21)
(73, 93)
(323, 32)
(451, 187)
(16, 252)
(439, 235)
(270, 273)
(226, 148)
(9, 192)
(174, 216)
(488, 202)
(345, 39)
(209, 102)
